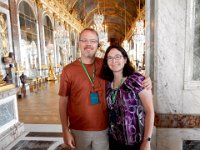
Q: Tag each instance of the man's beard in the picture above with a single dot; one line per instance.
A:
(91, 53)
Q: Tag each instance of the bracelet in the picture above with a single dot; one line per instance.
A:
(148, 139)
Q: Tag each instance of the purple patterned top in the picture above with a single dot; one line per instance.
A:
(127, 127)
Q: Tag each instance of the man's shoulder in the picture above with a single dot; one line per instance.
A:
(71, 65)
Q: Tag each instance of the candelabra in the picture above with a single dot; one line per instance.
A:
(51, 72)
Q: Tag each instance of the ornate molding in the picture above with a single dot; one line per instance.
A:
(60, 13)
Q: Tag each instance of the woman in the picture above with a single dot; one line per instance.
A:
(131, 113)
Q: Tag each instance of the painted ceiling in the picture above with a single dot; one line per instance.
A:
(119, 14)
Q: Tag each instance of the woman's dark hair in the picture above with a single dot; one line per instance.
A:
(107, 74)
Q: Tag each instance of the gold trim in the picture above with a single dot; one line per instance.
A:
(7, 87)
(57, 9)
(2, 83)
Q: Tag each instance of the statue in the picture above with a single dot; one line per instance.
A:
(51, 73)
(23, 79)
(8, 79)
(3, 36)
(3, 45)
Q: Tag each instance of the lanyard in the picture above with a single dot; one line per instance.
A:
(93, 73)
(114, 93)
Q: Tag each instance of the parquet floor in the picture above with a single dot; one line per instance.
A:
(40, 106)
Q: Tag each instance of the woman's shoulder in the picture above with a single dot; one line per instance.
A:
(136, 77)
(134, 82)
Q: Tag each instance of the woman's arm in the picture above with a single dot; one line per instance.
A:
(147, 102)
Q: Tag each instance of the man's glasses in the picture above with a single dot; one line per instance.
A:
(88, 41)
(116, 57)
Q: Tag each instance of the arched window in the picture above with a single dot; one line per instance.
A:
(28, 43)
(48, 30)
(192, 52)
(48, 38)
(27, 22)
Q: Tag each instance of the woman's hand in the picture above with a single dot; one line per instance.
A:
(145, 145)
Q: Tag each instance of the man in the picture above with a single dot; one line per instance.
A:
(82, 104)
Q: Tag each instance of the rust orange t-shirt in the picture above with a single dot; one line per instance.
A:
(76, 85)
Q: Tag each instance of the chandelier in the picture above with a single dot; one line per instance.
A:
(139, 32)
(61, 36)
(98, 20)
(125, 43)
(100, 27)
(138, 41)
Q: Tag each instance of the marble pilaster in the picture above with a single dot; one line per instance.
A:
(169, 52)
(15, 29)
(177, 104)
(10, 127)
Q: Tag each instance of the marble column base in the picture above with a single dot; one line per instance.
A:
(178, 139)
(11, 134)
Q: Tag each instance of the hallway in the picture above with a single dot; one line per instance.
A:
(40, 115)
(163, 37)
(41, 106)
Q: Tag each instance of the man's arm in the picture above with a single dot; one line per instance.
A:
(67, 136)
(147, 84)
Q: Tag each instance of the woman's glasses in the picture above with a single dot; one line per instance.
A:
(116, 57)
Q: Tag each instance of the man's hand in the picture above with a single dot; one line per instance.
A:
(69, 140)
(147, 84)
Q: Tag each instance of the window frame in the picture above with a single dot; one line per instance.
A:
(189, 83)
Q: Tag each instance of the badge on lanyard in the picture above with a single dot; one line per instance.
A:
(94, 98)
